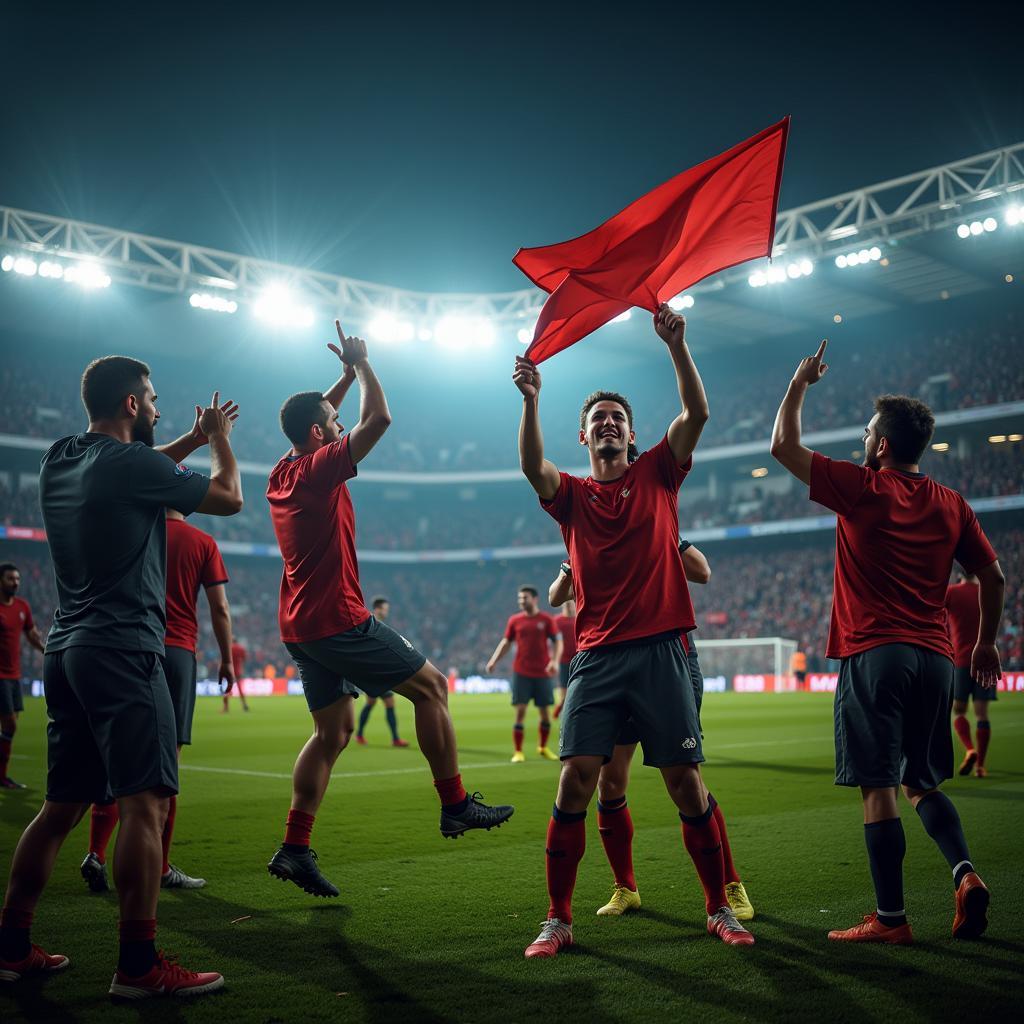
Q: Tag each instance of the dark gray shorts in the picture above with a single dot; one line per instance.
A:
(180, 670)
(647, 684)
(964, 687)
(11, 701)
(371, 657)
(629, 734)
(111, 725)
(891, 713)
(539, 689)
(563, 673)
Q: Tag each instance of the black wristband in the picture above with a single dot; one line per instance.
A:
(683, 545)
(565, 568)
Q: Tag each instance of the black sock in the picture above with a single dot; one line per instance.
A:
(567, 817)
(942, 823)
(364, 717)
(136, 958)
(392, 718)
(14, 944)
(613, 805)
(887, 846)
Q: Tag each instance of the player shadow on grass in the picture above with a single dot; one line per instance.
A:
(773, 766)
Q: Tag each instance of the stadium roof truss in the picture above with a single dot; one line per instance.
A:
(892, 214)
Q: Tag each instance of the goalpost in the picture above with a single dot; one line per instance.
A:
(753, 657)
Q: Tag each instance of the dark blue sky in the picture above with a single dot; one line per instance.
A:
(420, 145)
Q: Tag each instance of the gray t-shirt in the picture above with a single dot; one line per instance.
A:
(103, 507)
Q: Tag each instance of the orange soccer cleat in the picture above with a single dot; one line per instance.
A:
(971, 917)
(871, 930)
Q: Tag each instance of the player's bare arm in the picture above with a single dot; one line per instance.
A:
(542, 474)
(499, 653)
(696, 566)
(181, 448)
(374, 415)
(787, 447)
(561, 590)
(220, 620)
(224, 495)
(556, 655)
(685, 430)
(985, 665)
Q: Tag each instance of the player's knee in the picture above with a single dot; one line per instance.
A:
(148, 809)
(578, 779)
(915, 796)
(959, 706)
(60, 818)
(432, 686)
(610, 788)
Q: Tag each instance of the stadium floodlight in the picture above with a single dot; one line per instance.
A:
(87, 275)
(524, 336)
(622, 317)
(996, 438)
(388, 328)
(214, 303)
(1013, 216)
(758, 279)
(856, 259)
(424, 334)
(977, 227)
(963, 231)
(841, 261)
(7, 263)
(759, 473)
(50, 269)
(459, 333)
(278, 306)
(25, 266)
(990, 223)
(940, 446)
(1015, 437)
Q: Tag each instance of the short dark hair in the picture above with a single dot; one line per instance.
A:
(378, 601)
(7, 567)
(527, 589)
(107, 381)
(301, 412)
(906, 423)
(605, 396)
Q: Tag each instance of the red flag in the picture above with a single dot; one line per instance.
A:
(713, 216)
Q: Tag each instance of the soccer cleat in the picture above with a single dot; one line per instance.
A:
(518, 757)
(871, 930)
(971, 917)
(547, 754)
(739, 901)
(8, 783)
(980, 772)
(970, 758)
(302, 869)
(554, 936)
(38, 961)
(623, 899)
(177, 879)
(723, 923)
(166, 978)
(399, 743)
(94, 871)
(361, 740)
(476, 814)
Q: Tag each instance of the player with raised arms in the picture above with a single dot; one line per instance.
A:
(897, 534)
(620, 526)
(336, 644)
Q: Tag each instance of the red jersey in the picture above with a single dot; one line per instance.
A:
(623, 542)
(896, 538)
(531, 633)
(315, 526)
(193, 561)
(15, 619)
(238, 656)
(567, 627)
(963, 615)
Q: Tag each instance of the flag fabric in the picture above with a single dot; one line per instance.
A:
(711, 217)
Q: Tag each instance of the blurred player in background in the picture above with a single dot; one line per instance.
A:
(963, 611)
(193, 562)
(897, 535)
(533, 668)
(565, 623)
(238, 657)
(381, 609)
(336, 644)
(15, 622)
(798, 668)
(614, 822)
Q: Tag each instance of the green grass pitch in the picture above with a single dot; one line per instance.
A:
(429, 930)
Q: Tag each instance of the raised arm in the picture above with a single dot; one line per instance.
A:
(374, 415)
(787, 447)
(695, 565)
(220, 620)
(561, 590)
(985, 666)
(685, 430)
(499, 652)
(224, 495)
(182, 447)
(542, 474)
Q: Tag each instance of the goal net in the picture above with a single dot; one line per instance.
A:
(747, 664)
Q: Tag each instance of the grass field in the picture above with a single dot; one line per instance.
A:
(428, 930)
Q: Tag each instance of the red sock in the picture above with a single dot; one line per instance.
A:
(517, 736)
(615, 826)
(984, 734)
(169, 831)
(8, 723)
(451, 791)
(566, 842)
(731, 874)
(298, 828)
(703, 843)
(963, 730)
(101, 827)
(545, 732)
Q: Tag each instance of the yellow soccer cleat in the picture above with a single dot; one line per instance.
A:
(547, 754)
(518, 757)
(739, 901)
(623, 899)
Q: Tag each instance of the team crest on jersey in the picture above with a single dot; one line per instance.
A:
(625, 492)
(182, 470)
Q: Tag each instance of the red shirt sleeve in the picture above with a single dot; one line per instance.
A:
(214, 570)
(973, 550)
(837, 485)
(670, 472)
(332, 464)
(560, 506)
(510, 633)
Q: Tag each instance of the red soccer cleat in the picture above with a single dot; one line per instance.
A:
(554, 936)
(38, 961)
(728, 929)
(970, 758)
(361, 740)
(167, 978)
(399, 743)
(870, 930)
(971, 917)
(8, 783)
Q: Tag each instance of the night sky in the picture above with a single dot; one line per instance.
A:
(421, 146)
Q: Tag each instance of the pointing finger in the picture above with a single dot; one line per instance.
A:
(821, 349)
(341, 333)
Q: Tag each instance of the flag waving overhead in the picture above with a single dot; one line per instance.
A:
(713, 216)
